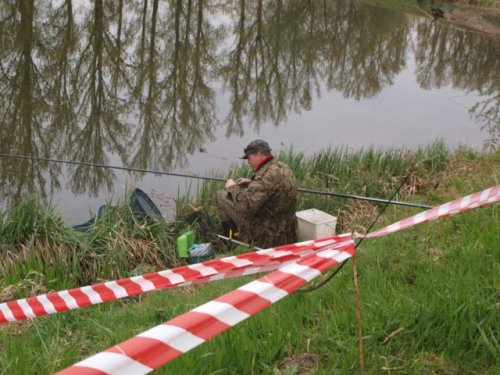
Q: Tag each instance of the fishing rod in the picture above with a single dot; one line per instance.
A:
(310, 191)
(232, 240)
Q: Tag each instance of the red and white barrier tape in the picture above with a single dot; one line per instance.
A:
(478, 199)
(163, 343)
(245, 264)
(297, 263)
(217, 269)
(159, 345)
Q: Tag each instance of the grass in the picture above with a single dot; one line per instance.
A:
(36, 240)
(429, 295)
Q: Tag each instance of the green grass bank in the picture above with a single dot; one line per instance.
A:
(430, 295)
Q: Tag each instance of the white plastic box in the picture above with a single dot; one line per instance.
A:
(313, 224)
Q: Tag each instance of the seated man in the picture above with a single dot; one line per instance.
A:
(261, 209)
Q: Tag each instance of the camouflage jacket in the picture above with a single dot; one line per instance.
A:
(267, 206)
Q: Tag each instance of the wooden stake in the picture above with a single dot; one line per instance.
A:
(358, 316)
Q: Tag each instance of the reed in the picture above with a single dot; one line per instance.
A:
(36, 239)
(30, 222)
(368, 172)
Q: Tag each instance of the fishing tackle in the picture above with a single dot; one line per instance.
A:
(310, 191)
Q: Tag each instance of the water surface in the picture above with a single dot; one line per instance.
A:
(185, 85)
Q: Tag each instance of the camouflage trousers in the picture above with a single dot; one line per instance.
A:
(225, 208)
(262, 232)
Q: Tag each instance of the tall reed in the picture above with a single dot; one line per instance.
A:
(367, 172)
(36, 239)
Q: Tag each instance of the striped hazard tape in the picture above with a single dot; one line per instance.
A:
(244, 264)
(478, 199)
(159, 345)
(217, 269)
(293, 265)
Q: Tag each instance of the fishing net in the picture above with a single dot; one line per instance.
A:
(140, 206)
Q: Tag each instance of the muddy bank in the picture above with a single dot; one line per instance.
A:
(485, 20)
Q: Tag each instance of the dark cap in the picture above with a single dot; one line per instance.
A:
(256, 146)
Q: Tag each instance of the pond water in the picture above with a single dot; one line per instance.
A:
(184, 85)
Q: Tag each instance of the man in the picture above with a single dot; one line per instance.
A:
(261, 209)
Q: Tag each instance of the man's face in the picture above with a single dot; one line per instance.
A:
(254, 160)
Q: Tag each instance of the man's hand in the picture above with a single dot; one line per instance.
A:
(230, 183)
(243, 181)
(240, 181)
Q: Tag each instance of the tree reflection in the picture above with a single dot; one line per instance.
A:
(487, 113)
(63, 41)
(366, 52)
(23, 104)
(176, 104)
(177, 111)
(280, 58)
(135, 81)
(468, 61)
(255, 73)
(101, 129)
